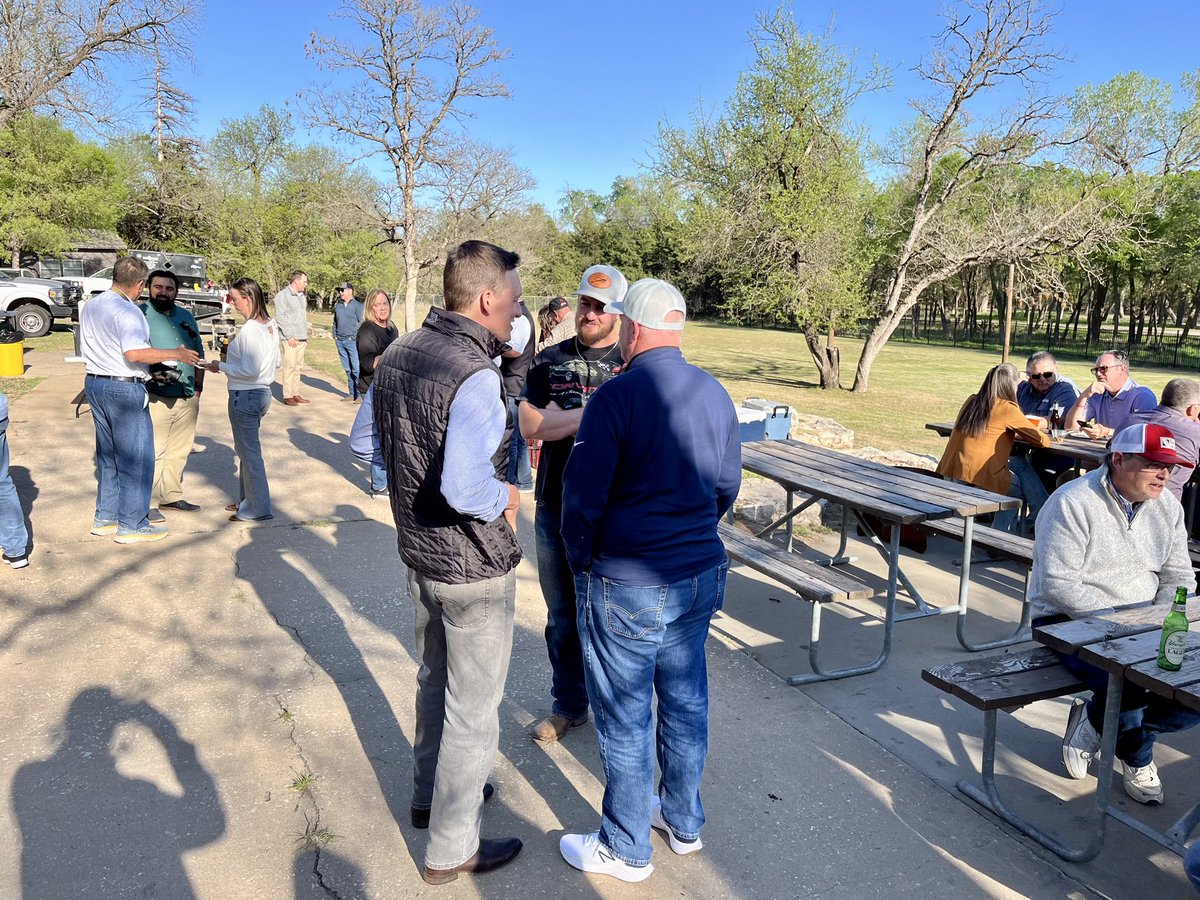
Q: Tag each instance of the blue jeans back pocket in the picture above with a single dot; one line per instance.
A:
(633, 611)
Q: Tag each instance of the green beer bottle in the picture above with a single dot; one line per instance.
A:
(1174, 633)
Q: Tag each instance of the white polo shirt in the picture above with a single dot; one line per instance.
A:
(109, 325)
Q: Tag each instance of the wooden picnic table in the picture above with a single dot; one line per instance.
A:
(1085, 452)
(1124, 644)
(866, 488)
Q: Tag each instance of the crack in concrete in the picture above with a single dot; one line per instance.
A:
(321, 878)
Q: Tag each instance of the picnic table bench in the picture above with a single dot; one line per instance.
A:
(1124, 643)
(808, 580)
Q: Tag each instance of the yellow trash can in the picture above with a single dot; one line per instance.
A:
(12, 357)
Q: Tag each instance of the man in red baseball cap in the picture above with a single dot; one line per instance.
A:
(1116, 537)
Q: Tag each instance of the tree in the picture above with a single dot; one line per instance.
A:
(53, 53)
(967, 205)
(778, 191)
(51, 186)
(403, 95)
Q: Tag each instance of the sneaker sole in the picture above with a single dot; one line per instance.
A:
(18, 563)
(1144, 799)
(626, 873)
(104, 530)
(140, 538)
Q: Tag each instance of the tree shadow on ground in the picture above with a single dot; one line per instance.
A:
(89, 830)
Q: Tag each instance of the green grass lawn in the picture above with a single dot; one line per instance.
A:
(911, 384)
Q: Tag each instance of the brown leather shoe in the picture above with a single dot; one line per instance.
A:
(291, 401)
(420, 817)
(553, 727)
(300, 399)
(490, 855)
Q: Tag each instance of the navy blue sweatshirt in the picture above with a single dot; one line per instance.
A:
(657, 461)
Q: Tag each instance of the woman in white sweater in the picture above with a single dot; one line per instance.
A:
(250, 366)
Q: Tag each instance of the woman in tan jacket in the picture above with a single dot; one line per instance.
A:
(981, 445)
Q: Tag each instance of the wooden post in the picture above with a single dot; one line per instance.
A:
(1008, 311)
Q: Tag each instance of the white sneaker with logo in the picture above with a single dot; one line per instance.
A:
(1143, 784)
(586, 853)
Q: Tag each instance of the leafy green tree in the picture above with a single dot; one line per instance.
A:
(777, 188)
(51, 186)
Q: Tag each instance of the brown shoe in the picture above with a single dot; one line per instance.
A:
(300, 399)
(291, 401)
(490, 855)
(553, 727)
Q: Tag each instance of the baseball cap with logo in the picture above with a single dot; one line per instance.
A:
(559, 303)
(602, 283)
(1155, 442)
(649, 302)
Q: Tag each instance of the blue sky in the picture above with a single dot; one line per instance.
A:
(592, 81)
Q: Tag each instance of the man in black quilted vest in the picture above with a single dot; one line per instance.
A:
(439, 414)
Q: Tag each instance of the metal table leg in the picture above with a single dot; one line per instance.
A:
(889, 620)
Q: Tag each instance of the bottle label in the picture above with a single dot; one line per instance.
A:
(1174, 646)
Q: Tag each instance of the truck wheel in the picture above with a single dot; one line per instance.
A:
(33, 321)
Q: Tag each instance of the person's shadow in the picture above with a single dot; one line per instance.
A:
(90, 831)
(27, 492)
(321, 874)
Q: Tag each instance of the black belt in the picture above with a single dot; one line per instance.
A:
(117, 377)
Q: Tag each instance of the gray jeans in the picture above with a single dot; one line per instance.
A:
(464, 640)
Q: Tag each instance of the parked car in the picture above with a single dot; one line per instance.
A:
(91, 285)
(37, 302)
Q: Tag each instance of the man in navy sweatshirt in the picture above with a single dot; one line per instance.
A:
(656, 463)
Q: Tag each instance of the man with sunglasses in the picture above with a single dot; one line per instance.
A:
(1112, 399)
(1110, 539)
(1044, 393)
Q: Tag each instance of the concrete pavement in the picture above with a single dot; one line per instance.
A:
(228, 713)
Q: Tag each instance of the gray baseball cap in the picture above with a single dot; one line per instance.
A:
(602, 283)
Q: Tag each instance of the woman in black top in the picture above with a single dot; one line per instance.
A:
(374, 335)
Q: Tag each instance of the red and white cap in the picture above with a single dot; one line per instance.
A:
(1155, 442)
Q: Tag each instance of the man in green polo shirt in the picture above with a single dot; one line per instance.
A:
(174, 402)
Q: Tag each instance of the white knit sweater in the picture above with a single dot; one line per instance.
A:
(253, 356)
(1089, 557)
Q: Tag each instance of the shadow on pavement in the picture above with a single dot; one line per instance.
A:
(90, 830)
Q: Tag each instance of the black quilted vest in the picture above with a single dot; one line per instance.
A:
(416, 378)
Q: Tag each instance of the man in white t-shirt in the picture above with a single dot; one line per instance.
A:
(114, 338)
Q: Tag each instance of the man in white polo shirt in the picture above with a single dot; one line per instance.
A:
(114, 338)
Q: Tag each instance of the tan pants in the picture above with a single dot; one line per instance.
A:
(174, 420)
(293, 359)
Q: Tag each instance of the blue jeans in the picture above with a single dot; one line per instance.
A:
(124, 451)
(639, 642)
(348, 352)
(1027, 486)
(567, 686)
(246, 409)
(1191, 865)
(464, 642)
(1144, 715)
(520, 472)
(14, 538)
(378, 478)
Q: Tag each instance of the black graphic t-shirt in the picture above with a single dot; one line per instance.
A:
(566, 373)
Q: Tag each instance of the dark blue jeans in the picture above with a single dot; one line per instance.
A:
(567, 686)
(639, 642)
(124, 451)
(520, 472)
(348, 352)
(1144, 715)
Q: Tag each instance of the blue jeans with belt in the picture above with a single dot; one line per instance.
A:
(639, 642)
(348, 352)
(246, 410)
(124, 451)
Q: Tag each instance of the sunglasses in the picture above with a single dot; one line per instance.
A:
(1103, 370)
(1041, 376)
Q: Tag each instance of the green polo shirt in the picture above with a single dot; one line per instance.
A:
(166, 333)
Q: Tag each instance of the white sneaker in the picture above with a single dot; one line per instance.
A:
(679, 846)
(1080, 743)
(586, 853)
(1143, 784)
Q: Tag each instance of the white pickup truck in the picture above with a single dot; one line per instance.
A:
(91, 285)
(37, 302)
